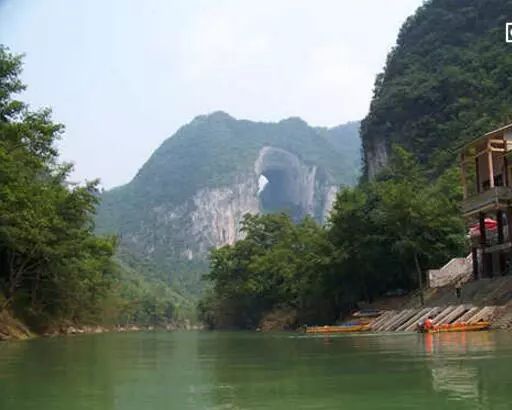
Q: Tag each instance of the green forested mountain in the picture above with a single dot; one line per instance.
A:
(214, 149)
(194, 190)
(447, 80)
(345, 139)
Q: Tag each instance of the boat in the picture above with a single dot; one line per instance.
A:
(345, 328)
(459, 327)
(368, 313)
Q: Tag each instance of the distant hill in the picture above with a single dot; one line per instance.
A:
(194, 190)
(345, 139)
(447, 81)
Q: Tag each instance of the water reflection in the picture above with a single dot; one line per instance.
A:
(387, 371)
(459, 342)
(454, 364)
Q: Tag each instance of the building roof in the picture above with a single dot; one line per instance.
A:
(493, 133)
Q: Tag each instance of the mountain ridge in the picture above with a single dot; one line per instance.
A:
(446, 81)
(192, 192)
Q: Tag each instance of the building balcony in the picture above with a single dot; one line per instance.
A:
(494, 198)
(491, 238)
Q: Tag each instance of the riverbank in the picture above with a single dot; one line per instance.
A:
(14, 329)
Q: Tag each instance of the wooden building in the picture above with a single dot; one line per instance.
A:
(486, 165)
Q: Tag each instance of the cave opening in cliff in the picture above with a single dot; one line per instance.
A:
(277, 193)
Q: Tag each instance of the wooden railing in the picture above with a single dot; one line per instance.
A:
(491, 238)
(481, 201)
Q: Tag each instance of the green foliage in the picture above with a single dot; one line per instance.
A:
(381, 235)
(138, 297)
(52, 265)
(279, 263)
(394, 228)
(446, 81)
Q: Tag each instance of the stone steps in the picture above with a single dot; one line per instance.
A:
(375, 325)
(396, 320)
(484, 314)
(438, 319)
(414, 319)
(406, 320)
(470, 313)
(431, 312)
(455, 314)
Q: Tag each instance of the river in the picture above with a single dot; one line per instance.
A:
(245, 370)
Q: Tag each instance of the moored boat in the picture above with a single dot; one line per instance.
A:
(368, 313)
(347, 328)
(459, 327)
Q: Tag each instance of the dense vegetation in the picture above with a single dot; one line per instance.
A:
(446, 81)
(212, 151)
(382, 235)
(53, 268)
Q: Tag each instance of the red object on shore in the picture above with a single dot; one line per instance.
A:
(429, 324)
(490, 225)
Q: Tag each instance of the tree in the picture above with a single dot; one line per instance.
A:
(278, 264)
(51, 263)
(395, 227)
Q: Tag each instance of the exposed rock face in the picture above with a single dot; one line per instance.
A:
(217, 213)
(375, 156)
(194, 191)
(214, 214)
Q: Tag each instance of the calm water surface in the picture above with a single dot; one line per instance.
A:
(228, 370)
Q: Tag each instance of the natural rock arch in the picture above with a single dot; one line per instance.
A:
(290, 183)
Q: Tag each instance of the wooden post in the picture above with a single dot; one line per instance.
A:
(477, 174)
(505, 162)
(491, 168)
(499, 219)
(505, 171)
(489, 258)
(474, 256)
(503, 263)
(463, 176)
(483, 244)
(509, 224)
(481, 221)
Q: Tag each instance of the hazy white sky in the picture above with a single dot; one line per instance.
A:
(123, 75)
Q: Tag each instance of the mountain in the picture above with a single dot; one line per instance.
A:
(447, 80)
(194, 190)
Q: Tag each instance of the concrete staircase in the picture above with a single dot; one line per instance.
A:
(406, 320)
(483, 292)
(457, 270)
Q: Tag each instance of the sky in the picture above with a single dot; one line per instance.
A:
(124, 75)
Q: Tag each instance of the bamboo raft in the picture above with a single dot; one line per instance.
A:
(318, 330)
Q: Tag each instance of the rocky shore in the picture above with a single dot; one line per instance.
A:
(13, 329)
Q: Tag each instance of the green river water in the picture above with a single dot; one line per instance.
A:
(244, 370)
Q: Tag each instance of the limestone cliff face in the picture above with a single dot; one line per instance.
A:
(212, 217)
(375, 156)
(215, 220)
(194, 191)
